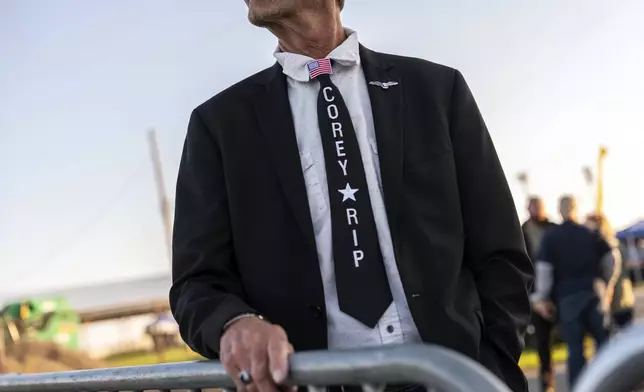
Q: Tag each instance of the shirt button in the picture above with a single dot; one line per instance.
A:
(390, 328)
(316, 311)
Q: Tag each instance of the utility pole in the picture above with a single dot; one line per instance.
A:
(589, 179)
(599, 202)
(166, 209)
(3, 356)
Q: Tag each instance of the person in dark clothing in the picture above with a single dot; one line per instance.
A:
(344, 198)
(568, 267)
(533, 231)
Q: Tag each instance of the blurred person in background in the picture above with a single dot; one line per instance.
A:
(533, 231)
(163, 331)
(569, 264)
(344, 198)
(619, 289)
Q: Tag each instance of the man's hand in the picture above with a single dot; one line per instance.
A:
(544, 308)
(258, 347)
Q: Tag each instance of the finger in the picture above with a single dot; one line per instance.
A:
(290, 351)
(233, 371)
(259, 369)
(278, 353)
(235, 361)
(255, 343)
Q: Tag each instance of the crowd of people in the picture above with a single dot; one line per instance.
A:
(580, 286)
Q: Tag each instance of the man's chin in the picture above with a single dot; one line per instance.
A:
(254, 20)
(267, 19)
(258, 21)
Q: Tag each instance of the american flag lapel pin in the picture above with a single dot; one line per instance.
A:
(319, 67)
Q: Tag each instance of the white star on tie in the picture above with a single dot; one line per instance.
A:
(348, 193)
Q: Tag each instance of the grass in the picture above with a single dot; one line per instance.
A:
(178, 354)
(530, 360)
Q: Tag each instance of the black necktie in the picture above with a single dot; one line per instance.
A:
(361, 280)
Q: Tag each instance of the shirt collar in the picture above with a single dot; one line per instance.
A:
(294, 65)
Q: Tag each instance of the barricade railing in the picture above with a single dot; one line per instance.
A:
(434, 367)
(618, 366)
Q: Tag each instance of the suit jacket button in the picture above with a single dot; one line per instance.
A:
(316, 311)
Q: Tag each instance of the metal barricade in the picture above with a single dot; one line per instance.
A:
(618, 366)
(436, 368)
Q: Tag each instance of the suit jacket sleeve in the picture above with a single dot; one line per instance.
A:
(494, 245)
(206, 290)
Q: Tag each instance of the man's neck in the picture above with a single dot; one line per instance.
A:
(311, 36)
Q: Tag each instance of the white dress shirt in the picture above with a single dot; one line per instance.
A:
(397, 324)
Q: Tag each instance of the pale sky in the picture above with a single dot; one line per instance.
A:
(81, 81)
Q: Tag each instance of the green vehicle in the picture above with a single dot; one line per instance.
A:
(49, 320)
(41, 336)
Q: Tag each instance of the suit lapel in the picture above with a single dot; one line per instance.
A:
(276, 123)
(387, 105)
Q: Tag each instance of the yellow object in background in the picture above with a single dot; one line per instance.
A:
(25, 311)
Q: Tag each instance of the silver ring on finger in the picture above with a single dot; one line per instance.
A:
(245, 377)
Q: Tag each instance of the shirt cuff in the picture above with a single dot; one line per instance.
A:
(536, 297)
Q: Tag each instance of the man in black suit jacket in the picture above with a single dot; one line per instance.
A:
(247, 282)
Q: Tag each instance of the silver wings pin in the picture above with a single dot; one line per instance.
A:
(383, 85)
